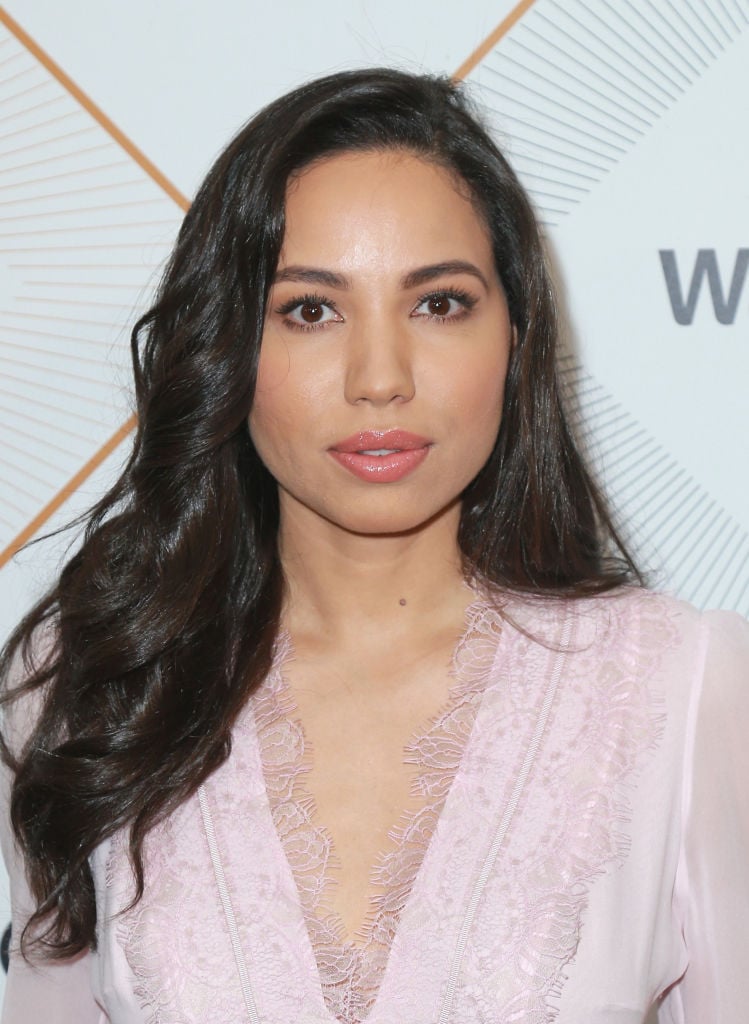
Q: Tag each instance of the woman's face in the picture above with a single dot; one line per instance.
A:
(385, 346)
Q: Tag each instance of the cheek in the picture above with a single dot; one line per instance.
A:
(274, 368)
(271, 396)
(476, 394)
(289, 395)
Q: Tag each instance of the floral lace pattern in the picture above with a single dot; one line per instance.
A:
(571, 824)
(570, 828)
(351, 973)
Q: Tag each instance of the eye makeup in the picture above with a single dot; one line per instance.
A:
(317, 301)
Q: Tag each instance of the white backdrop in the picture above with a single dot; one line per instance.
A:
(625, 120)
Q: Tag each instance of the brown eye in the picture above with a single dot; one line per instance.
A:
(439, 305)
(311, 312)
(450, 305)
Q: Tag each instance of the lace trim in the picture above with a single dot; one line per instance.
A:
(351, 972)
(607, 722)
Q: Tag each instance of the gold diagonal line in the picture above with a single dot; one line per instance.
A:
(82, 475)
(166, 185)
(98, 115)
(493, 38)
(69, 489)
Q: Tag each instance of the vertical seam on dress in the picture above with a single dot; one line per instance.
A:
(502, 828)
(225, 897)
(681, 877)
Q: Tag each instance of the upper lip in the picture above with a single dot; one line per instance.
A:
(371, 440)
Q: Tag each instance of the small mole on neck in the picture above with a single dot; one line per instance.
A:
(402, 601)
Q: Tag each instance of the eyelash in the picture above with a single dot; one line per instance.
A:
(304, 300)
(465, 298)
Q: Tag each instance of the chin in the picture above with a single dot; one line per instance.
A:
(392, 522)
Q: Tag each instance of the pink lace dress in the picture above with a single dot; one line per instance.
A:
(577, 851)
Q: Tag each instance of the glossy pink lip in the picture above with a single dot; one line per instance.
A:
(407, 452)
(367, 440)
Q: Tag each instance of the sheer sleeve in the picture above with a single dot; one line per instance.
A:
(55, 993)
(713, 883)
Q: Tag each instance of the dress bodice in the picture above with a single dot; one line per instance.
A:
(579, 854)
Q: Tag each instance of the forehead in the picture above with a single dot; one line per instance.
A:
(381, 209)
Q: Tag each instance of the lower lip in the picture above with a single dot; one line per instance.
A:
(381, 469)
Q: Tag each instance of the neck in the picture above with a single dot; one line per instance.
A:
(354, 589)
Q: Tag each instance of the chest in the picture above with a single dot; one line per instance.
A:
(358, 753)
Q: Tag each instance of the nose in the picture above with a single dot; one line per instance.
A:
(379, 366)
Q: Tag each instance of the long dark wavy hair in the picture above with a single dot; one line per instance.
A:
(164, 621)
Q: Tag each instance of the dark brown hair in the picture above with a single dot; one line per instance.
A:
(164, 620)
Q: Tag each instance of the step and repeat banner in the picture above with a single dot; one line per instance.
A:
(626, 122)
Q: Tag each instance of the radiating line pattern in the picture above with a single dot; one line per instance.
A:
(83, 231)
(572, 88)
(577, 83)
(672, 524)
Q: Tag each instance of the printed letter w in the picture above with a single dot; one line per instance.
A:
(706, 263)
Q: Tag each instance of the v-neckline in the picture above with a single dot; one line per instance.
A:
(483, 621)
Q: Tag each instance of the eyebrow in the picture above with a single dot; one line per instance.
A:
(421, 275)
(312, 275)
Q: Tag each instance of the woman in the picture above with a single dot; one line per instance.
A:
(346, 709)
